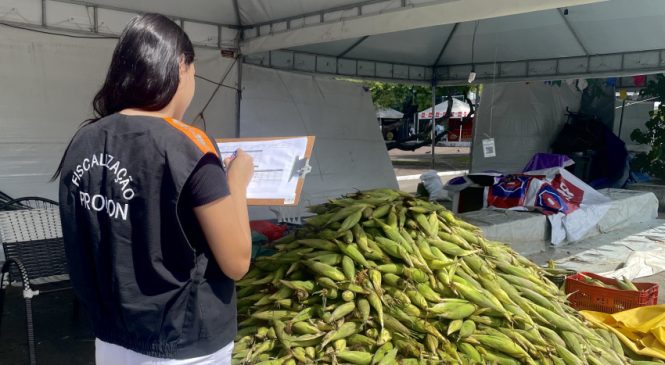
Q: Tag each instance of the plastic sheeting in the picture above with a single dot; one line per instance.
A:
(389, 113)
(219, 11)
(529, 233)
(523, 119)
(572, 207)
(349, 152)
(48, 86)
(629, 208)
(378, 18)
(611, 255)
(54, 79)
(527, 229)
(412, 32)
(641, 329)
(593, 206)
(640, 264)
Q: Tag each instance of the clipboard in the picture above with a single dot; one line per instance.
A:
(291, 173)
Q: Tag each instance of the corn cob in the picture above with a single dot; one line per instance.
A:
(449, 295)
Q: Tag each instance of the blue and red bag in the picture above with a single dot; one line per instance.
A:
(510, 192)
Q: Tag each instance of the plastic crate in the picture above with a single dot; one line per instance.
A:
(583, 296)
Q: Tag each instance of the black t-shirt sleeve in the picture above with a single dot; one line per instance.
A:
(207, 182)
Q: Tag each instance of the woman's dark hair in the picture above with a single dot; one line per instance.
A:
(144, 70)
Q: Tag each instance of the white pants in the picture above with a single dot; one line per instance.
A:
(110, 354)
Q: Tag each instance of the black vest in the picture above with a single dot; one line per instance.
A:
(146, 287)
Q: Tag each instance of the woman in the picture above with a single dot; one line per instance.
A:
(155, 231)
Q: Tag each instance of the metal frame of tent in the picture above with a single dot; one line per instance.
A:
(277, 41)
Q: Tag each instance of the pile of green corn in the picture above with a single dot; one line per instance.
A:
(381, 277)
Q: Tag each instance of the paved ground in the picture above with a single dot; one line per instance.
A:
(411, 185)
(61, 338)
(413, 164)
(419, 161)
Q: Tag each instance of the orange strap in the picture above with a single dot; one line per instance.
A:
(199, 138)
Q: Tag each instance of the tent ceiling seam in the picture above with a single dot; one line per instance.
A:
(445, 45)
(94, 26)
(354, 45)
(236, 9)
(321, 12)
(62, 31)
(573, 32)
(134, 11)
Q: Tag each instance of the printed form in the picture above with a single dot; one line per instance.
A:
(277, 164)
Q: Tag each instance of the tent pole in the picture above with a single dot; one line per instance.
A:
(238, 95)
(433, 121)
(623, 107)
(239, 60)
(474, 122)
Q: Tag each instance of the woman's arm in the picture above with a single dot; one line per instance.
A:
(225, 222)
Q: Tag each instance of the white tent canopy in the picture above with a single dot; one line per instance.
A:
(389, 113)
(417, 41)
(406, 40)
(460, 109)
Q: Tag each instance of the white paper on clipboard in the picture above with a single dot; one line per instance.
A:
(277, 164)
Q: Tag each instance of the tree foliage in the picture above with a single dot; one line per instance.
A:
(652, 162)
(401, 96)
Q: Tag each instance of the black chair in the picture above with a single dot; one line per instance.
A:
(35, 258)
(28, 202)
(4, 197)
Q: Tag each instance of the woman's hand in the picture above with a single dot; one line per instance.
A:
(239, 169)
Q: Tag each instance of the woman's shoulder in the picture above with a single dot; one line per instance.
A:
(166, 132)
(193, 135)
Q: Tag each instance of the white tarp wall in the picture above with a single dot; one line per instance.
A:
(523, 119)
(635, 116)
(349, 152)
(48, 83)
(46, 88)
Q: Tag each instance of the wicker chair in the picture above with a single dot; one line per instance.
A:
(35, 258)
(28, 202)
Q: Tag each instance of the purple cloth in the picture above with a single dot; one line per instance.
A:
(541, 161)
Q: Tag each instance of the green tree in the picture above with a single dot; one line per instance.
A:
(399, 96)
(652, 162)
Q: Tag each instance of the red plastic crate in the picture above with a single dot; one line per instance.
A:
(583, 296)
